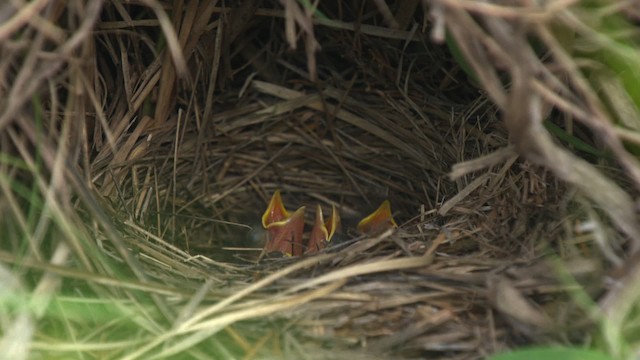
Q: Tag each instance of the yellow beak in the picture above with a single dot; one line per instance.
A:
(379, 221)
(275, 211)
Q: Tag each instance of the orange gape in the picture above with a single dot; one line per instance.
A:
(285, 230)
(379, 221)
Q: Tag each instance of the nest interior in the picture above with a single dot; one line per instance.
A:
(142, 151)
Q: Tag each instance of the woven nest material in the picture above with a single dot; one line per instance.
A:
(141, 144)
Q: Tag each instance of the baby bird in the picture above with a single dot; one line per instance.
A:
(284, 230)
(322, 231)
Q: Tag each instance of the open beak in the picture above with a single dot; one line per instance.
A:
(322, 231)
(379, 221)
(283, 228)
(275, 211)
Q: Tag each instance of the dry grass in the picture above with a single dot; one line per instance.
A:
(140, 142)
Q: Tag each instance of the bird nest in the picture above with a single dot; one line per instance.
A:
(142, 147)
